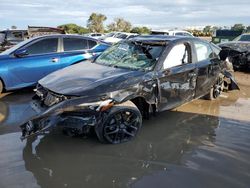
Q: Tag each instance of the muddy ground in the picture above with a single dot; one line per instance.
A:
(201, 144)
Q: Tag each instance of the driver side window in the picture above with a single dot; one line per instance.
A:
(43, 46)
(178, 55)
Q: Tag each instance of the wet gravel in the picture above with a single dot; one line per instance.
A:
(201, 144)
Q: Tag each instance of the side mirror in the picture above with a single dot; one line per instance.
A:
(21, 52)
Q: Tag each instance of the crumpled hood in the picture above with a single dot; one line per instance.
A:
(88, 78)
(240, 46)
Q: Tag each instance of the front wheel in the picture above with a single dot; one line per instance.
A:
(120, 124)
(215, 90)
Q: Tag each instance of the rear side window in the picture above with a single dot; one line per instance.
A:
(122, 36)
(74, 44)
(91, 43)
(43, 46)
(203, 51)
(179, 34)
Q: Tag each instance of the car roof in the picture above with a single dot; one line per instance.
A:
(158, 38)
(63, 35)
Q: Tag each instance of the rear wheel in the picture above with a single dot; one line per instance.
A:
(1, 86)
(120, 124)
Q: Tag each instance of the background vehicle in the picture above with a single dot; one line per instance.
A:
(116, 37)
(238, 51)
(9, 38)
(224, 35)
(94, 35)
(24, 64)
(131, 80)
(172, 33)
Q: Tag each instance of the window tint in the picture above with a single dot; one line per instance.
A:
(203, 51)
(72, 44)
(43, 46)
(122, 36)
(91, 43)
(178, 55)
(187, 34)
(179, 34)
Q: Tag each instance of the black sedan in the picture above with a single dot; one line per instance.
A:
(131, 80)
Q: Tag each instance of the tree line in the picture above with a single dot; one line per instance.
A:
(95, 24)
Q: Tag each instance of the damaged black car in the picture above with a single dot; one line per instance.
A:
(128, 82)
(238, 52)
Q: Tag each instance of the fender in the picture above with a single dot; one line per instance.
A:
(233, 84)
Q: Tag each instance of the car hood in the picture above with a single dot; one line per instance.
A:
(240, 46)
(88, 78)
(2, 57)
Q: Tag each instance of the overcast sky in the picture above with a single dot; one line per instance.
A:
(152, 13)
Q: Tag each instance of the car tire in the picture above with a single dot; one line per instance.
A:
(1, 86)
(121, 124)
(214, 92)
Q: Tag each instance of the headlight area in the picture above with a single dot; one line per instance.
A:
(74, 118)
(99, 106)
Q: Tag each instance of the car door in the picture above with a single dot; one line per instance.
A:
(42, 58)
(177, 78)
(208, 67)
(74, 50)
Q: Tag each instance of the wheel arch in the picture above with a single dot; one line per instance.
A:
(1, 79)
(144, 106)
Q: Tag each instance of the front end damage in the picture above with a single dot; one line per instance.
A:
(75, 115)
(238, 54)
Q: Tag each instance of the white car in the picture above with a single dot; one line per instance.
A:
(117, 36)
(172, 33)
(94, 35)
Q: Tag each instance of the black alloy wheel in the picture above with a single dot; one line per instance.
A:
(122, 124)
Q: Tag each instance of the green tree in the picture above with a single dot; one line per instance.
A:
(74, 29)
(140, 30)
(121, 25)
(238, 27)
(95, 22)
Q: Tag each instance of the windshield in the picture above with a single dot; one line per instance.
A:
(132, 55)
(242, 38)
(14, 48)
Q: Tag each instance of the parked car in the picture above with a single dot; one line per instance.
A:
(94, 35)
(130, 80)
(118, 36)
(238, 51)
(172, 33)
(9, 38)
(24, 64)
(224, 35)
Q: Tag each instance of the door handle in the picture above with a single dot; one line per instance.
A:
(54, 60)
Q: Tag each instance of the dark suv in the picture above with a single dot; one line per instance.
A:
(130, 80)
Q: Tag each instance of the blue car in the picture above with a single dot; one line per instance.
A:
(24, 64)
